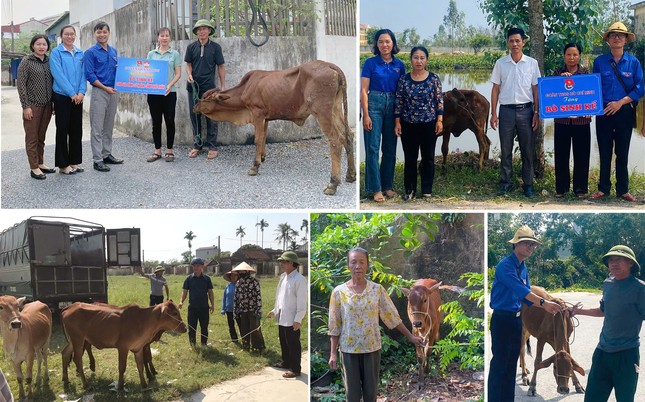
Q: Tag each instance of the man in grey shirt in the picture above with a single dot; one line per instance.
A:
(157, 285)
(615, 363)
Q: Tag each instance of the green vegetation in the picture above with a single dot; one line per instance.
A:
(448, 62)
(181, 370)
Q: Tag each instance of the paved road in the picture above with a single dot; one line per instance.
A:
(293, 176)
(582, 348)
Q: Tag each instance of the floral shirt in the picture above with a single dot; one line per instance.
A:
(354, 317)
(247, 296)
(419, 101)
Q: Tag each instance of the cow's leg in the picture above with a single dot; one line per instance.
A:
(29, 370)
(78, 361)
(444, 150)
(525, 371)
(123, 362)
(336, 152)
(576, 383)
(67, 358)
(349, 150)
(17, 368)
(263, 154)
(536, 366)
(138, 357)
(260, 142)
(147, 363)
(88, 348)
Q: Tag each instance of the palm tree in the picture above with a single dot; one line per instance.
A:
(305, 228)
(262, 224)
(285, 234)
(190, 236)
(240, 232)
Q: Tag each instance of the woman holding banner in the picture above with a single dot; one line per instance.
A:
(163, 106)
(573, 131)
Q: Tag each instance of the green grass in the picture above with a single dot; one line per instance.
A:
(181, 370)
(462, 181)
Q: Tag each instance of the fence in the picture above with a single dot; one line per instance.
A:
(234, 17)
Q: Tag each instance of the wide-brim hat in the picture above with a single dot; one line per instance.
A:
(203, 23)
(619, 27)
(524, 233)
(243, 267)
(289, 256)
(621, 251)
(227, 275)
(159, 269)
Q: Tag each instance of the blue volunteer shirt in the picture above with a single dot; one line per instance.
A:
(630, 70)
(100, 64)
(510, 286)
(197, 287)
(383, 76)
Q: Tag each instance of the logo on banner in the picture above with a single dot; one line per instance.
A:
(568, 84)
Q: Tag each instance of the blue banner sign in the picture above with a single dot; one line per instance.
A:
(142, 76)
(577, 95)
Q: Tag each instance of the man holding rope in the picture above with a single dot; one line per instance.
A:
(290, 308)
(615, 362)
(203, 59)
(200, 288)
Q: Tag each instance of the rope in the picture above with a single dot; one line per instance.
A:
(564, 328)
(194, 116)
(225, 340)
(256, 10)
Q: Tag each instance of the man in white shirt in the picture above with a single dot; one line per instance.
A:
(290, 308)
(514, 81)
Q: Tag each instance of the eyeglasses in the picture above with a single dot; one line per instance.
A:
(617, 35)
(530, 244)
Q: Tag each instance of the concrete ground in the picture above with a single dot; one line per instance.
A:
(292, 177)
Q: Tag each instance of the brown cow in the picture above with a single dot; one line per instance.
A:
(425, 316)
(129, 329)
(554, 330)
(316, 88)
(466, 109)
(26, 332)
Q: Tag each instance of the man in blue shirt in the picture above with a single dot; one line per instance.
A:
(615, 362)
(511, 287)
(200, 288)
(621, 77)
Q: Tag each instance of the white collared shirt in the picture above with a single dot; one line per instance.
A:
(515, 80)
(290, 299)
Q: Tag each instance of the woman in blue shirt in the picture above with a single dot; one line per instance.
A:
(228, 303)
(379, 78)
(614, 128)
(66, 64)
(418, 116)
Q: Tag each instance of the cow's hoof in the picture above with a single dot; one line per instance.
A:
(579, 389)
(350, 178)
(531, 391)
(253, 171)
(330, 190)
(525, 381)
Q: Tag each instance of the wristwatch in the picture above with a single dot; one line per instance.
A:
(541, 302)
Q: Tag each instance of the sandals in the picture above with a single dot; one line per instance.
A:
(597, 195)
(212, 154)
(153, 157)
(390, 193)
(194, 153)
(169, 157)
(378, 197)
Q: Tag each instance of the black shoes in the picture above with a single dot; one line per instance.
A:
(100, 166)
(504, 188)
(111, 160)
(38, 176)
(528, 191)
(50, 170)
(408, 196)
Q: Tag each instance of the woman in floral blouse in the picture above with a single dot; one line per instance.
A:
(418, 119)
(247, 307)
(354, 311)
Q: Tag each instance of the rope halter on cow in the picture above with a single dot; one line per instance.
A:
(565, 315)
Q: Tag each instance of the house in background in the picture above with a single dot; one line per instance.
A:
(639, 19)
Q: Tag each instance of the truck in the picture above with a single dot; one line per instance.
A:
(59, 260)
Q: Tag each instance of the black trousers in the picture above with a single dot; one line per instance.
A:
(290, 347)
(248, 323)
(506, 339)
(195, 315)
(614, 133)
(415, 136)
(565, 136)
(154, 300)
(613, 371)
(231, 326)
(69, 131)
(163, 106)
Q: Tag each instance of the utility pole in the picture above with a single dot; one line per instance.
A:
(11, 5)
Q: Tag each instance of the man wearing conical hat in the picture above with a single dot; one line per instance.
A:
(204, 58)
(511, 288)
(615, 363)
(621, 77)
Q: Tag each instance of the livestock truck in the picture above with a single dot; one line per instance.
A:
(63, 260)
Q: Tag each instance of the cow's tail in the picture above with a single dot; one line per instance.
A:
(528, 347)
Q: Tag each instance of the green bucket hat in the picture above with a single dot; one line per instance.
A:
(625, 252)
(289, 256)
(203, 23)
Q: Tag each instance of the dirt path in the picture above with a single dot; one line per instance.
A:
(267, 385)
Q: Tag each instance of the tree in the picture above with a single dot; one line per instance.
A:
(190, 236)
(286, 234)
(370, 32)
(454, 20)
(441, 38)
(240, 232)
(478, 41)
(305, 228)
(262, 224)
(186, 257)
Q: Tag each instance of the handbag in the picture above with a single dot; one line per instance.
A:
(633, 104)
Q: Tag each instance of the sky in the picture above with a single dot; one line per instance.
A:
(25, 9)
(163, 231)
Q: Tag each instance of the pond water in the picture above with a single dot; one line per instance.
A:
(467, 142)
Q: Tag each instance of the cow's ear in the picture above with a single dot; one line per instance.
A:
(163, 308)
(21, 302)
(406, 291)
(577, 367)
(545, 363)
(435, 287)
(222, 97)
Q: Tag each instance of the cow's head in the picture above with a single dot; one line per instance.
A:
(209, 101)
(459, 99)
(10, 308)
(563, 367)
(419, 306)
(171, 317)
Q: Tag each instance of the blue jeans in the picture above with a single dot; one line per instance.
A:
(381, 138)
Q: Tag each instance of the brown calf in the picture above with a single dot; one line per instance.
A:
(316, 88)
(554, 330)
(26, 332)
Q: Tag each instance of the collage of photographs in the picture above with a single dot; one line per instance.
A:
(448, 200)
